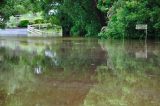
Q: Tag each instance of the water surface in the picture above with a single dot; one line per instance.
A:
(78, 72)
(13, 32)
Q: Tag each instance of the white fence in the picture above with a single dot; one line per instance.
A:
(38, 30)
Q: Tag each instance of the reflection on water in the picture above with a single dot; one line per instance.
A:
(128, 79)
(78, 72)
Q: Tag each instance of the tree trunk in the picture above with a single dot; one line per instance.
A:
(100, 15)
(65, 32)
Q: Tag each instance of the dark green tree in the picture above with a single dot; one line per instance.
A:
(77, 17)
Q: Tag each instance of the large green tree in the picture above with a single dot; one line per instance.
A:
(123, 15)
(77, 17)
(87, 19)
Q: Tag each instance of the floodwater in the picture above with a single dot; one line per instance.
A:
(13, 32)
(78, 72)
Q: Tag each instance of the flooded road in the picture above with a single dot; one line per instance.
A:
(78, 72)
(13, 32)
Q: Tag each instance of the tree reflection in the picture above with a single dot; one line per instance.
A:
(63, 71)
(127, 80)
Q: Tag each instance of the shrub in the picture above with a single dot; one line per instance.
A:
(2, 25)
(38, 21)
(23, 23)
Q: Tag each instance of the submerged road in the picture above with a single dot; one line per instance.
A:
(13, 32)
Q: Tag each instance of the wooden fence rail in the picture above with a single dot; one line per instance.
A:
(37, 30)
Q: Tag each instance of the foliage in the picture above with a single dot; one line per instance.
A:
(2, 25)
(15, 7)
(31, 16)
(123, 16)
(89, 17)
(38, 21)
(77, 18)
(34, 18)
(84, 16)
(12, 23)
(23, 23)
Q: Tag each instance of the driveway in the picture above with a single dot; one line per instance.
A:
(13, 32)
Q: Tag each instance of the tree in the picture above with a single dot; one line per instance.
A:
(14, 7)
(123, 16)
(87, 20)
(77, 17)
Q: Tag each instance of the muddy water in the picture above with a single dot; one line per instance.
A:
(79, 72)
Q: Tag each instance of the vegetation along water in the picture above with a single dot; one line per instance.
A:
(87, 18)
(79, 52)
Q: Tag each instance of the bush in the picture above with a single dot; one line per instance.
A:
(12, 22)
(23, 23)
(38, 21)
(2, 25)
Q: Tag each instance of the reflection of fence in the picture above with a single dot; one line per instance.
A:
(42, 30)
